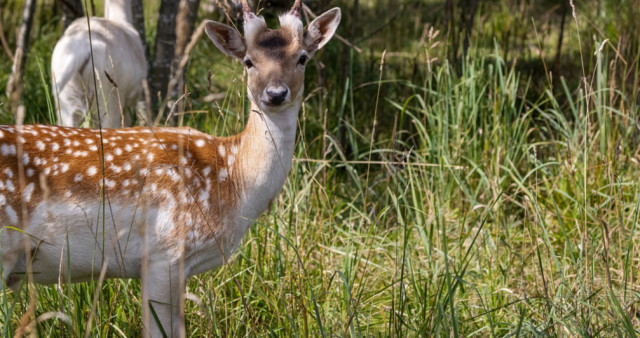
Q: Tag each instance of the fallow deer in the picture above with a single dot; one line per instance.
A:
(160, 204)
(115, 58)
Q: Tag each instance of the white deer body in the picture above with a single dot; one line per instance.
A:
(117, 51)
(157, 204)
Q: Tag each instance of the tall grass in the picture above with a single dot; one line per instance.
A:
(478, 208)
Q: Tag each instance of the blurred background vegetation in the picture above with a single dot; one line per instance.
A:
(464, 167)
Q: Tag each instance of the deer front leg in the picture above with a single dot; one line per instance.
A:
(163, 287)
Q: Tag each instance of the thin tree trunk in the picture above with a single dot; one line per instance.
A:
(137, 14)
(164, 51)
(185, 25)
(14, 85)
(71, 10)
(3, 39)
(450, 27)
(467, 33)
(556, 63)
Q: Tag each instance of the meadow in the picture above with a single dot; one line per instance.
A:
(441, 185)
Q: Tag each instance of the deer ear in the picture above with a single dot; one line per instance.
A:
(227, 39)
(321, 30)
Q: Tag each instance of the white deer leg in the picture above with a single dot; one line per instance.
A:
(71, 103)
(163, 296)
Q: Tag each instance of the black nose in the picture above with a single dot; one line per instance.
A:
(277, 94)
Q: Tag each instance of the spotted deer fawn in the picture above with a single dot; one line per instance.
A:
(115, 58)
(158, 204)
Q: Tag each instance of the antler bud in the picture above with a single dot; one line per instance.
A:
(246, 10)
(296, 8)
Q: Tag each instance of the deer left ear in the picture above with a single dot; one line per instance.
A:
(227, 39)
(321, 30)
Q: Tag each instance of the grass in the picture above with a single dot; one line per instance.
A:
(464, 199)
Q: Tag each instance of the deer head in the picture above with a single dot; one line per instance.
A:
(275, 59)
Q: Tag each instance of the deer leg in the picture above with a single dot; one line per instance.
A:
(163, 300)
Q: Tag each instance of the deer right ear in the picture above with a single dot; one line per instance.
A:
(321, 30)
(227, 39)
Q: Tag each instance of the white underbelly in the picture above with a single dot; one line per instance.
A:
(76, 241)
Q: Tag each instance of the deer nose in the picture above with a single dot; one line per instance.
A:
(277, 94)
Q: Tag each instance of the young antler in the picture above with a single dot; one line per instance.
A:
(296, 8)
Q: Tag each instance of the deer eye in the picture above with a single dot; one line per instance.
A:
(303, 60)
(248, 63)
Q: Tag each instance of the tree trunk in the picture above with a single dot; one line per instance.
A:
(71, 10)
(185, 25)
(556, 63)
(14, 85)
(164, 52)
(137, 14)
(467, 33)
(186, 22)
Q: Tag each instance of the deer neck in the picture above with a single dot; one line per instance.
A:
(118, 10)
(267, 144)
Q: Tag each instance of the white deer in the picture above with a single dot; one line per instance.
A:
(158, 204)
(120, 68)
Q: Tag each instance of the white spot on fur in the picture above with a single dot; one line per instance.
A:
(200, 143)
(92, 170)
(30, 172)
(25, 158)
(128, 147)
(150, 157)
(64, 167)
(3, 200)
(109, 157)
(40, 145)
(8, 172)
(10, 187)
(221, 150)
(174, 175)
(93, 147)
(222, 175)
(118, 151)
(28, 191)
(126, 166)
(230, 160)
(8, 149)
(78, 178)
(55, 146)
(206, 171)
